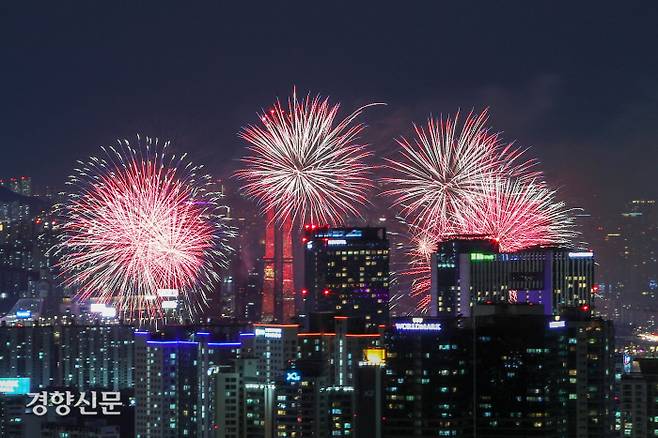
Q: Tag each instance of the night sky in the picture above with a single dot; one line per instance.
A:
(575, 81)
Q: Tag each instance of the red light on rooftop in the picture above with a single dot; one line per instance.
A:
(304, 292)
(584, 308)
(326, 292)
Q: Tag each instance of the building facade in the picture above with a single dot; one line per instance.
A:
(347, 272)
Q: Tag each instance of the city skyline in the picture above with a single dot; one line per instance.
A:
(295, 220)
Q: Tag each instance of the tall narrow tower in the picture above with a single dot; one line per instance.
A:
(288, 310)
(269, 271)
(278, 282)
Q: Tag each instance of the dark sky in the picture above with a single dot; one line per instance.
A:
(575, 81)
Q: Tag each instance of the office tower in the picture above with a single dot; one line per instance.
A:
(588, 358)
(466, 272)
(347, 272)
(627, 249)
(448, 264)
(303, 383)
(174, 391)
(508, 371)
(253, 295)
(639, 400)
(427, 379)
(278, 279)
(518, 379)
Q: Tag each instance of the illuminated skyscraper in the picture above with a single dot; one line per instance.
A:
(278, 281)
(468, 272)
(347, 272)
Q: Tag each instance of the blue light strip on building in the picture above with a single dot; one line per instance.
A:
(224, 344)
(171, 343)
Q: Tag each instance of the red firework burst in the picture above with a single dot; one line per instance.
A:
(469, 182)
(519, 215)
(141, 226)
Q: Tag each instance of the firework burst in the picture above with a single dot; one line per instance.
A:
(464, 180)
(138, 225)
(305, 165)
(444, 168)
(423, 245)
(519, 215)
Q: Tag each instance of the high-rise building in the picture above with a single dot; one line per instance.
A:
(302, 384)
(469, 272)
(639, 400)
(29, 351)
(347, 272)
(308, 406)
(369, 392)
(174, 392)
(278, 278)
(95, 356)
(274, 346)
(315, 395)
(627, 252)
(83, 357)
(480, 377)
(426, 380)
(448, 264)
(15, 201)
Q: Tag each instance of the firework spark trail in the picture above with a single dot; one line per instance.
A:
(467, 181)
(138, 221)
(519, 215)
(304, 165)
(442, 170)
(416, 274)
